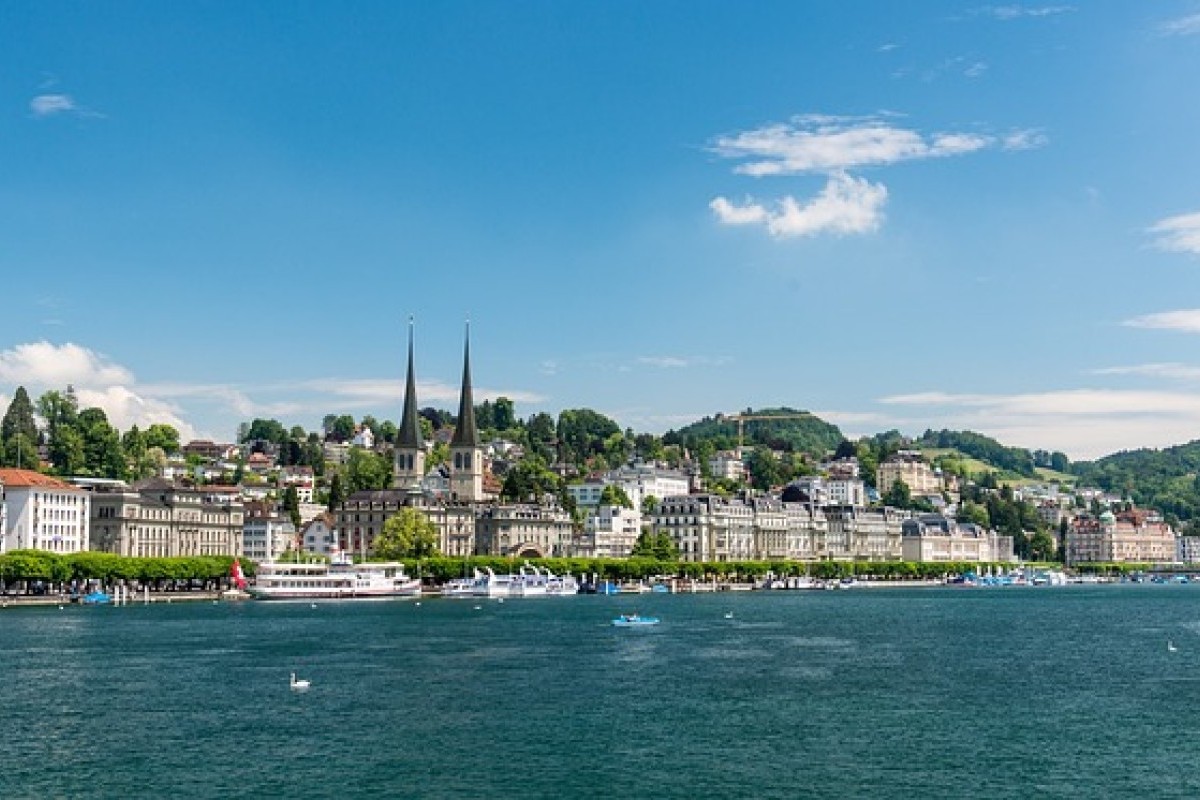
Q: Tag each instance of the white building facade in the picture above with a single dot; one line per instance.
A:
(42, 513)
(612, 531)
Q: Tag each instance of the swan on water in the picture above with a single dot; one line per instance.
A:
(300, 685)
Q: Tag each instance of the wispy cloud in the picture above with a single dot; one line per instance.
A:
(846, 205)
(52, 105)
(816, 143)
(1183, 26)
(1028, 139)
(680, 362)
(1171, 370)
(1011, 12)
(1084, 423)
(1179, 234)
(976, 69)
(47, 105)
(1186, 320)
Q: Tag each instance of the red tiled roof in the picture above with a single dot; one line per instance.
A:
(25, 478)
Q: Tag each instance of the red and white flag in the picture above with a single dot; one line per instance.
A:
(239, 579)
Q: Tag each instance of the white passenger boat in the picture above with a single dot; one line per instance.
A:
(529, 581)
(340, 579)
(462, 587)
(490, 584)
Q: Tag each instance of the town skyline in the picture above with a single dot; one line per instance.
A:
(956, 215)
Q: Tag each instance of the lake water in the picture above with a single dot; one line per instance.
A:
(884, 692)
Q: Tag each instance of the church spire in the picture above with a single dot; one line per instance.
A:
(465, 432)
(410, 425)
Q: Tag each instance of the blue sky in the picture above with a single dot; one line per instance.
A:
(895, 215)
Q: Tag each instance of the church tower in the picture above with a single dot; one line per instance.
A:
(410, 446)
(466, 454)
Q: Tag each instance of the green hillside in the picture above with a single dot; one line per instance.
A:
(805, 433)
(1164, 479)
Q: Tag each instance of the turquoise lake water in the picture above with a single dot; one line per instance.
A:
(1049, 692)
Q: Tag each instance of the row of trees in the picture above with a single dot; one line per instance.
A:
(79, 442)
(24, 566)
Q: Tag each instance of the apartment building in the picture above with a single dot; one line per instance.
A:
(39, 512)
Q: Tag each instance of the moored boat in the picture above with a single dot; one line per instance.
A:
(340, 579)
(634, 621)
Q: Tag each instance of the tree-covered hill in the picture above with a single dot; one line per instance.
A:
(798, 431)
(1164, 479)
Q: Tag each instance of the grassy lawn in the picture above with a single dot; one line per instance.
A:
(977, 468)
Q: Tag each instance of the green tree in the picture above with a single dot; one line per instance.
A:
(613, 495)
(18, 433)
(529, 479)
(268, 430)
(101, 445)
(291, 505)
(976, 513)
(898, 496)
(366, 469)
(1041, 546)
(650, 505)
(337, 492)
(765, 469)
(66, 450)
(164, 436)
(58, 408)
(504, 414)
(542, 436)
(343, 428)
(407, 534)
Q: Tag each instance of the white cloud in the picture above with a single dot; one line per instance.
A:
(975, 70)
(1169, 370)
(1011, 12)
(818, 143)
(666, 362)
(679, 362)
(1184, 26)
(98, 382)
(1028, 139)
(125, 408)
(45, 364)
(376, 390)
(1084, 423)
(1178, 234)
(1186, 320)
(749, 213)
(846, 205)
(47, 105)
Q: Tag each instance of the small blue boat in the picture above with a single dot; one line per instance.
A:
(634, 621)
(96, 599)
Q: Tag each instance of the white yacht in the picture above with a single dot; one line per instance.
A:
(489, 584)
(340, 579)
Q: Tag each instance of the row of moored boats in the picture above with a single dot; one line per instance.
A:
(342, 579)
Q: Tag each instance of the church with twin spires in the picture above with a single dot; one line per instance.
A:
(466, 452)
(470, 521)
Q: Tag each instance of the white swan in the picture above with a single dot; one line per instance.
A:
(728, 615)
(300, 686)
(1171, 648)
